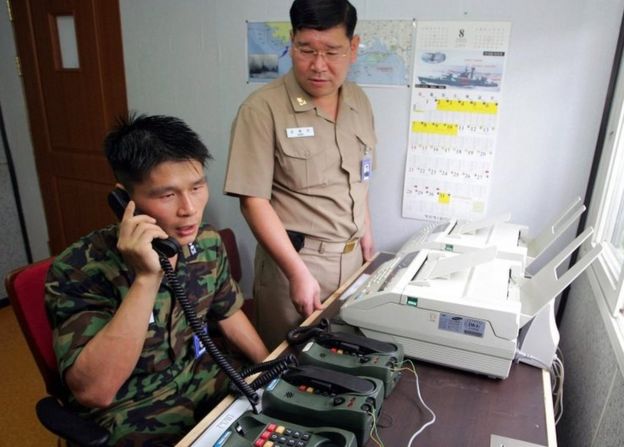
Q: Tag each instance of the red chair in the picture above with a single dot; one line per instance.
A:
(231, 248)
(25, 287)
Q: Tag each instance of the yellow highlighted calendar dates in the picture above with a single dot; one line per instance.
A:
(468, 106)
(444, 198)
(435, 128)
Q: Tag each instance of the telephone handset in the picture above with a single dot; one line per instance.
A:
(351, 343)
(349, 353)
(118, 200)
(327, 381)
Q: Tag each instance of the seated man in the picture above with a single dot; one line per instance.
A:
(125, 350)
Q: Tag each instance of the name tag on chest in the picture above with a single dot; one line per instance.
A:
(198, 347)
(298, 132)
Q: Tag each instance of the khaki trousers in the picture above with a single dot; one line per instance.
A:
(275, 312)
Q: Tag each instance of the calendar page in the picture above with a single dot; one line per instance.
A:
(456, 96)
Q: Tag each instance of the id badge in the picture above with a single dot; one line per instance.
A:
(198, 346)
(366, 167)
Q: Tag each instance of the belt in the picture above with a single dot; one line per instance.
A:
(330, 247)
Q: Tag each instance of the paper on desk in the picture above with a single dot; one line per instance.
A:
(503, 441)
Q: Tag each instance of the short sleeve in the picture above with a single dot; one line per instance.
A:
(78, 305)
(251, 158)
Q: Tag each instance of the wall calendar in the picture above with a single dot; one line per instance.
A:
(454, 110)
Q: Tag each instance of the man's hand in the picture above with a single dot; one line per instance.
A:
(368, 247)
(366, 241)
(267, 227)
(305, 293)
(136, 234)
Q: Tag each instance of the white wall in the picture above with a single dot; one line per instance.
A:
(188, 59)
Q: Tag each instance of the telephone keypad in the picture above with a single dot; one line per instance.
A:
(275, 435)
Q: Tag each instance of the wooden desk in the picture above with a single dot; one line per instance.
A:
(469, 408)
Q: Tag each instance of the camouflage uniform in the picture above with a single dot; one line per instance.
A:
(169, 390)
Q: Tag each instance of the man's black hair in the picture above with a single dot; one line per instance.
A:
(137, 144)
(322, 15)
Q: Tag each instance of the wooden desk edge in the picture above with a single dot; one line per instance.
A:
(203, 425)
(551, 433)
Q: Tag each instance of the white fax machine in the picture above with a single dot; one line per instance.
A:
(452, 298)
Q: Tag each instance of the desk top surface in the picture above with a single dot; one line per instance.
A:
(469, 407)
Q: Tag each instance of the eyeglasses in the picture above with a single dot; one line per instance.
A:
(310, 54)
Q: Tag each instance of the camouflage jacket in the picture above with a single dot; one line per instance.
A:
(88, 281)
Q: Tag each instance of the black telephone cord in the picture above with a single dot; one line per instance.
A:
(301, 334)
(198, 329)
(270, 370)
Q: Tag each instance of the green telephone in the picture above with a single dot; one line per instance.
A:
(348, 353)
(316, 397)
(260, 430)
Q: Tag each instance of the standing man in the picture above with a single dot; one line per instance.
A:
(301, 155)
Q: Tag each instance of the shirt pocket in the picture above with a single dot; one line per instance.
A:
(301, 163)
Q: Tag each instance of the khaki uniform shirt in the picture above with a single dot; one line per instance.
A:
(313, 181)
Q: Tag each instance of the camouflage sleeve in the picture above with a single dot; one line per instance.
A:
(228, 297)
(79, 303)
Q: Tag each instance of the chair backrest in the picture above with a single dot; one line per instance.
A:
(229, 240)
(25, 287)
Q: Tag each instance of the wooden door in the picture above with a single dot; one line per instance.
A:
(73, 98)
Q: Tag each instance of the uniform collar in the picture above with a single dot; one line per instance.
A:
(189, 251)
(299, 98)
(301, 101)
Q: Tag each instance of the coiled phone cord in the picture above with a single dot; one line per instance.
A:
(301, 334)
(270, 370)
(198, 329)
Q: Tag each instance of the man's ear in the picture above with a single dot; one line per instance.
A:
(355, 44)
